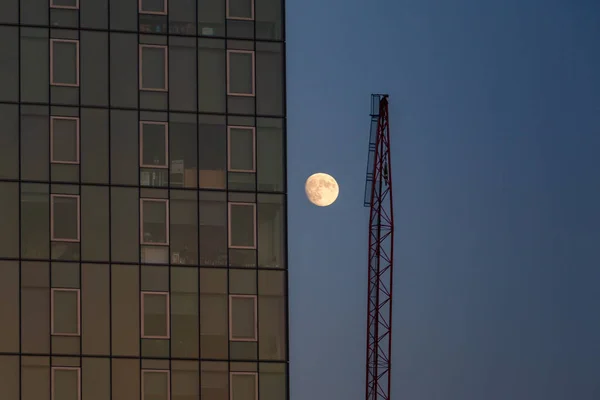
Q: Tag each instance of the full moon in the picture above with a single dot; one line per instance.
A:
(321, 189)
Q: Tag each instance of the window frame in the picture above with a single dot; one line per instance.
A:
(141, 9)
(52, 378)
(167, 222)
(230, 309)
(231, 375)
(166, 125)
(155, 371)
(75, 7)
(141, 67)
(77, 140)
(168, 314)
(52, 237)
(78, 72)
(52, 293)
(229, 92)
(229, 236)
(253, 129)
(228, 16)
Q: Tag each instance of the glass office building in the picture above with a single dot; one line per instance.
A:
(142, 200)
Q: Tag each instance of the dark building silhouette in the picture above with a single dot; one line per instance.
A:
(142, 200)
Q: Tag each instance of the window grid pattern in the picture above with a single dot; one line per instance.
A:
(65, 5)
(66, 180)
(231, 13)
(55, 309)
(165, 154)
(231, 131)
(253, 337)
(55, 57)
(167, 322)
(145, 9)
(162, 65)
(73, 209)
(231, 89)
(56, 371)
(55, 131)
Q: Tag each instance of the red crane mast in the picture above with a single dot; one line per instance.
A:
(378, 197)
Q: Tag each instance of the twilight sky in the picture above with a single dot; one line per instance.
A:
(495, 122)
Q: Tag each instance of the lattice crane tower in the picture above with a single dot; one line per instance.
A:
(378, 197)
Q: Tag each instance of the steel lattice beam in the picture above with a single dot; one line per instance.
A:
(381, 253)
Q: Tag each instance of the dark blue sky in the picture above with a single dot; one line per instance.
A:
(495, 121)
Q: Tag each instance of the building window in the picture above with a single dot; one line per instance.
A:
(155, 315)
(241, 149)
(153, 7)
(64, 217)
(242, 225)
(64, 62)
(64, 140)
(154, 220)
(240, 9)
(66, 383)
(154, 144)
(242, 318)
(240, 73)
(244, 386)
(154, 68)
(65, 305)
(68, 4)
(156, 384)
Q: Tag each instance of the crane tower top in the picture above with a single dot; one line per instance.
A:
(376, 100)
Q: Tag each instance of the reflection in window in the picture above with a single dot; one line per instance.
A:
(240, 73)
(154, 144)
(35, 217)
(153, 6)
(212, 63)
(269, 78)
(213, 229)
(214, 381)
(272, 312)
(185, 380)
(242, 221)
(213, 326)
(155, 315)
(64, 140)
(34, 143)
(153, 67)
(183, 148)
(240, 9)
(270, 156)
(65, 312)
(212, 143)
(64, 62)
(269, 20)
(154, 154)
(69, 4)
(184, 312)
(241, 149)
(183, 229)
(244, 386)
(154, 218)
(66, 383)
(156, 385)
(64, 217)
(242, 318)
(271, 231)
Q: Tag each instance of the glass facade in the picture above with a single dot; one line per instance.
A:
(143, 200)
